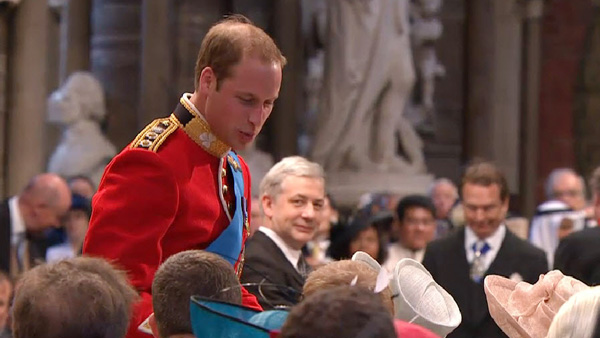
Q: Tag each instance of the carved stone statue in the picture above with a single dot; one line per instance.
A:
(426, 30)
(369, 74)
(78, 108)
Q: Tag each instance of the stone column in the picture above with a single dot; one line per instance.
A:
(288, 35)
(5, 11)
(74, 37)
(533, 14)
(494, 85)
(156, 61)
(27, 93)
(115, 60)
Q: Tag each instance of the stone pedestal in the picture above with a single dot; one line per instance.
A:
(347, 187)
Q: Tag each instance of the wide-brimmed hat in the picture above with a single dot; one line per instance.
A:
(215, 319)
(417, 298)
(526, 310)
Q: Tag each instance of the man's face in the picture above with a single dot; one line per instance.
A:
(417, 228)
(296, 212)
(568, 189)
(47, 216)
(237, 111)
(484, 209)
(443, 197)
(5, 292)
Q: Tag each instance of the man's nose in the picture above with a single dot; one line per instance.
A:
(309, 211)
(256, 115)
(479, 215)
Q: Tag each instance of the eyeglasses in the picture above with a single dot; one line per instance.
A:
(567, 193)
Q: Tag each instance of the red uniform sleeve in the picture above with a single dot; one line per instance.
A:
(135, 204)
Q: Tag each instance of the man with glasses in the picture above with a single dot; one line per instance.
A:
(460, 261)
(416, 227)
(564, 211)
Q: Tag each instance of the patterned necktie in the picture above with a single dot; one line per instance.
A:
(302, 267)
(478, 265)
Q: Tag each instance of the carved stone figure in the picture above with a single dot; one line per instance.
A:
(368, 78)
(78, 108)
(426, 30)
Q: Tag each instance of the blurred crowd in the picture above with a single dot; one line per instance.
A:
(301, 263)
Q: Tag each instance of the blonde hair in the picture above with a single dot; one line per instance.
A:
(342, 273)
(577, 317)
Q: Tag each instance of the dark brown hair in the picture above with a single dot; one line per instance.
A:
(485, 174)
(343, 311)
(341, 273)
(185, 274)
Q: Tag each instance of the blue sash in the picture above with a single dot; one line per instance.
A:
(229, 243)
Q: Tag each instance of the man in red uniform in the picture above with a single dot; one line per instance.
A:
(178, 185)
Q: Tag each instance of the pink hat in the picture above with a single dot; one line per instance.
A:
(524, 310)
(405, 329)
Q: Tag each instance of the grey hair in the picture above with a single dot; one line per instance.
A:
(576, 318)
(553, 177)
(439, 181)
(289, 166)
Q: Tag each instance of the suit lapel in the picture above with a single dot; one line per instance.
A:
(282, 262)
(502, 262)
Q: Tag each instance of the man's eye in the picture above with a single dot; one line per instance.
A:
(246, 101)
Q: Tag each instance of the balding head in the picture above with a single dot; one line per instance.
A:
(444, 194)
(564, 184)
(43, 202)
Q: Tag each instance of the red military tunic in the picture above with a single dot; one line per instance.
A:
(165, 193)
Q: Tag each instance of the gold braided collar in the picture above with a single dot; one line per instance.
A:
(199, 131)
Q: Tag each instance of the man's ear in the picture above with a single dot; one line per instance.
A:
(207, 79)
(153, 326)
(267, 205)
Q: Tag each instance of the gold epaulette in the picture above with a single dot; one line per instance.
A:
(153, 136)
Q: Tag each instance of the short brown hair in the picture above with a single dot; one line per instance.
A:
(78, 297)
(342, 273)
(185, 274)
(343, 311)
(228, 41)
(485, 174)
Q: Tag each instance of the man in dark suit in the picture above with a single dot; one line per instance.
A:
(292, 198)
(578, 255)
(23, 219)
(460, 262)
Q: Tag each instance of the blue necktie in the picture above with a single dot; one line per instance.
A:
(478, 265)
